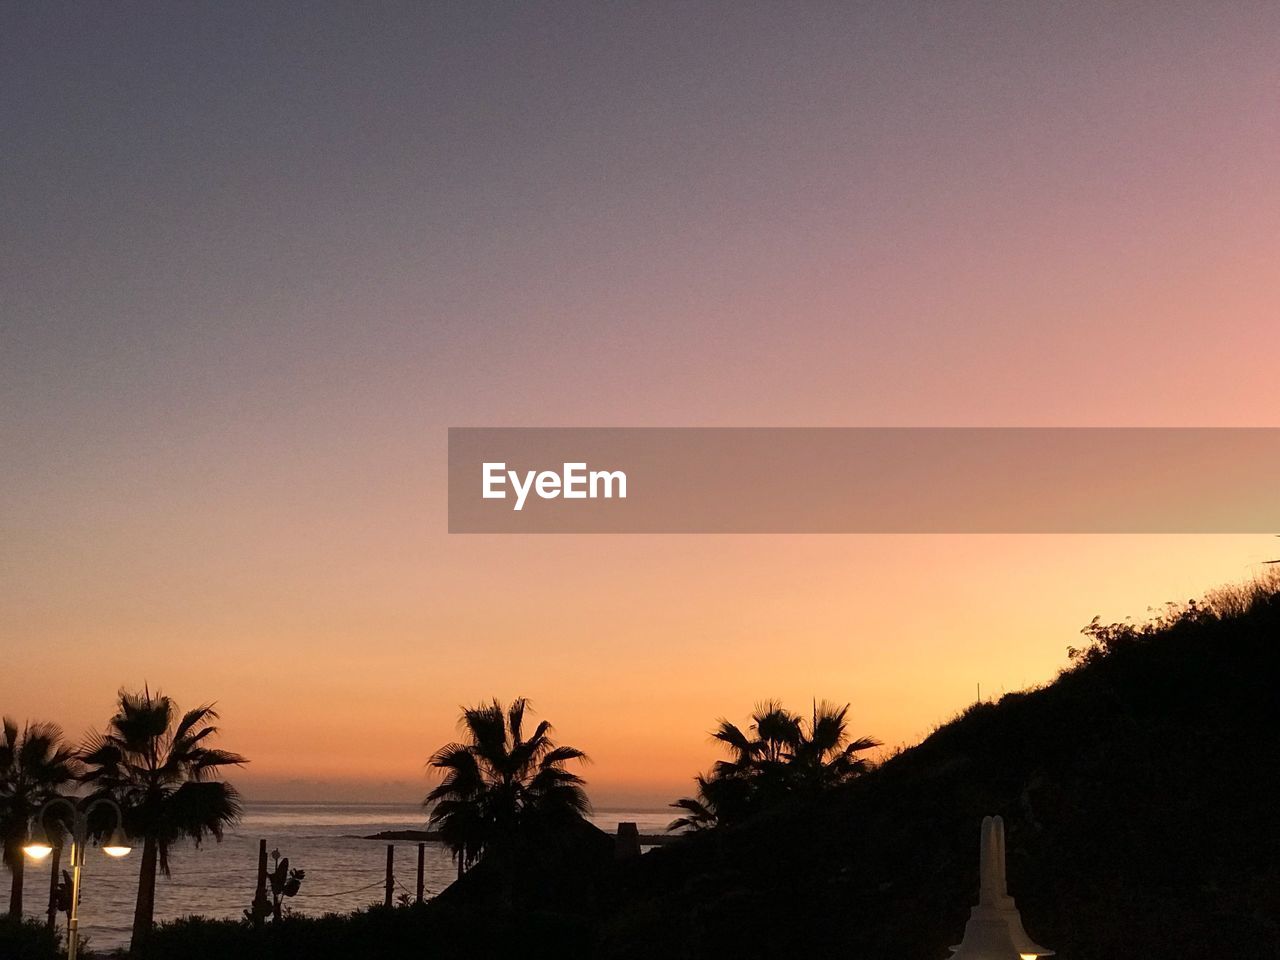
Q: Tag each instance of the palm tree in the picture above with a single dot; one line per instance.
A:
(162, 774)
(720, 800)
(826, 755)
(784, 755)
(34, 766)
(500, 786)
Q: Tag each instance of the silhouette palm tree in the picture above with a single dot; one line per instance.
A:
(720, 800)
(500, 786)
(825, 754)
(784, 755)
(34, 766)
(157, 766)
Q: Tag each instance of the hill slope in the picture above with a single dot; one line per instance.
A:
(1138, 789)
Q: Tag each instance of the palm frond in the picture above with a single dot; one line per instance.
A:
(515, 718)
(193, 719)
(560, 755)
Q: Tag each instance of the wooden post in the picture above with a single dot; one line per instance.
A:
(260, 905)
(391, 876)
(422, 860)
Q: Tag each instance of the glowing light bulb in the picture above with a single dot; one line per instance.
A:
(117, 844)
(37, 850)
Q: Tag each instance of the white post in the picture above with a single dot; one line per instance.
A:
(994, 930)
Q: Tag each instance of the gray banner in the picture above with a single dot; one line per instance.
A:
(864, 480)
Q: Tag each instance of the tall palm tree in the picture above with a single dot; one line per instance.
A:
(499, 785)
(783, 755)
(35, 766)
(157, 766)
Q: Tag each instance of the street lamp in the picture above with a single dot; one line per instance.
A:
(38, 847)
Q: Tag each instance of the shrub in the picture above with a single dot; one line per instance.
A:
(28, 940)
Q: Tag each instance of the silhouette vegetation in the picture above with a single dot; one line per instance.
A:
(35, 766)
(437, 931)
(27, 939)
(284, 881)
(1134, 788)
(503, 784)
(781, 757)
(158, 765)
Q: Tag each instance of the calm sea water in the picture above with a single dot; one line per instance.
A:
(217, 880)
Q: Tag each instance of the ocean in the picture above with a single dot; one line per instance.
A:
(343, 871)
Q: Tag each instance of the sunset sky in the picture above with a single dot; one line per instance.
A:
(254, 263)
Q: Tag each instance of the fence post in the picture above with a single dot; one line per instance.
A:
(391, 876)
(422, 859)
(260, 890)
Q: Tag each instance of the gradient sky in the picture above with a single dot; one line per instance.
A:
(254, 259)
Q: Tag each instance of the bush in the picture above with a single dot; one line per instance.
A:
(28, 940)
(375, 933)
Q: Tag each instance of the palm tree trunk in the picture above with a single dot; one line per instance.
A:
(53, 885)
(507, 877)
(16, 864)
(145, 908)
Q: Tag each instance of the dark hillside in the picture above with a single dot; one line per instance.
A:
(1138, 790)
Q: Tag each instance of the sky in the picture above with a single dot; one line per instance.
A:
(255, 259)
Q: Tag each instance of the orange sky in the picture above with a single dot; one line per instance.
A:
(254, 270)
(346, 672)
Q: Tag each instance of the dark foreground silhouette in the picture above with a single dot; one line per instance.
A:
(1136, 790)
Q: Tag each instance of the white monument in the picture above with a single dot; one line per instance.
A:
(994, 930)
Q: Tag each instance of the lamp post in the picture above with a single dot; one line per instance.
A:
(38, 847)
